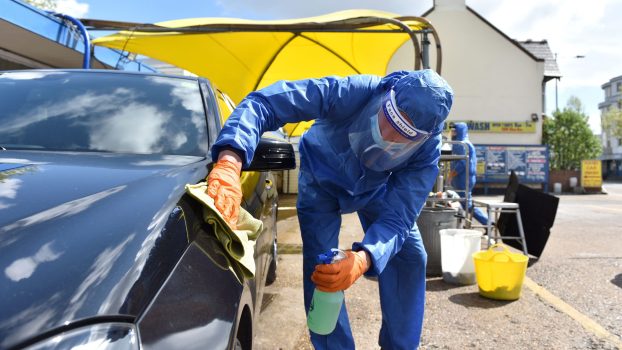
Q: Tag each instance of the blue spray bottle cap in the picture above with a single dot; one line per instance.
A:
(331, 256)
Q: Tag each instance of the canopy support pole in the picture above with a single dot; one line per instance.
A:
(437, 41)
(425, 50)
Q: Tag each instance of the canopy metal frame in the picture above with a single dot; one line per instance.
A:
(350, 25)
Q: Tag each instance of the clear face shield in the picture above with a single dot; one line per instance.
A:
(384, 137)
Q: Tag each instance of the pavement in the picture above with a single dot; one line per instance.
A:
(571, 298)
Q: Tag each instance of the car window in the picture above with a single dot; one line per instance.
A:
(212, 112)
(98, 111)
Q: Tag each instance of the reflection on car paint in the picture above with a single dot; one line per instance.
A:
(24, 267)
(155, 260)
(187, 339)
(22, 324)
(66, 209)
(167, 161)
(97, 273)
(208, 304)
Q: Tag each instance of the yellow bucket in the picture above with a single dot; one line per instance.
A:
(500, 274)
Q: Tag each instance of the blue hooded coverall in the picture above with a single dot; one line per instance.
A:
(458, 182)
(332, 181)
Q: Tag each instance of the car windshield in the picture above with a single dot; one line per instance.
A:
(102, 112)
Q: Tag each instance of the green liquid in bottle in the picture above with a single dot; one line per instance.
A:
(325, 307)
(324, 311)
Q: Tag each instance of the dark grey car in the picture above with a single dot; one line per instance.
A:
(100, 247)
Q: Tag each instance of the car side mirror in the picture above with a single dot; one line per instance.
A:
(273, 154)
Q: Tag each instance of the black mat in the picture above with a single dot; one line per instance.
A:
(538, 210)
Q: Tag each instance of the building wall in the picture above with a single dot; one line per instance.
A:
(493, 79)
(613, 99)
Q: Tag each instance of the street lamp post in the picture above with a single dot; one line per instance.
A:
(557, 79)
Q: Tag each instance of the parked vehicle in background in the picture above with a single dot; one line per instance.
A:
(99, 244)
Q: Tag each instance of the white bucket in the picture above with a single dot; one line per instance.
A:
(457, 248)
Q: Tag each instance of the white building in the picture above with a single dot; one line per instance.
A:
(612, 146)
(499, 83)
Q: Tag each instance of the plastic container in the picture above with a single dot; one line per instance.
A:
(325, 307)
(500, 274)
(430, 222)
(457, 249)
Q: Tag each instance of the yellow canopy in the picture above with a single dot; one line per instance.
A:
(240, 56)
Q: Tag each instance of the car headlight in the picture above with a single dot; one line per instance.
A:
(116, 335)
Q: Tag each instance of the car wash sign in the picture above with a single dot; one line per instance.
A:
(591, 173)
(501, 127)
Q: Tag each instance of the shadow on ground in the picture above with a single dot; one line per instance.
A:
(475, 300)
(285, 212)
(438, 285)
(470, 299)
(268, 298)
(617, 280)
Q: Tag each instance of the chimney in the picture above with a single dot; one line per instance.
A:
(450, 4)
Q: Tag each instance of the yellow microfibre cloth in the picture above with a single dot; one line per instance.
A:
(238, 244)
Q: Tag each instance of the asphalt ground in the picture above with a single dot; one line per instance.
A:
(571, 298)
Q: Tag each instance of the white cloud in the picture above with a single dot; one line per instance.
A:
(72, 8)
(572, 28)
(280, 9)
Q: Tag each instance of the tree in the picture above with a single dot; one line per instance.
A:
(569, 137)
(49, 5)
(612, 122)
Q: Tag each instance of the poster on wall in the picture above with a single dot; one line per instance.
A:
(495, 162)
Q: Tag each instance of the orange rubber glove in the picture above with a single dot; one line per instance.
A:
(342, 274)
(451, 175)
(224, 186)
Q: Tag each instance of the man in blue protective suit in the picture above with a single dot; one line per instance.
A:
(374, 149)
(459, 132)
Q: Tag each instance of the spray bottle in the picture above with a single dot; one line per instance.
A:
(325, 307)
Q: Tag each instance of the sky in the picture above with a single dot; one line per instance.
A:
(585, 35)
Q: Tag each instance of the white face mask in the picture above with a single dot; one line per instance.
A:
(380, 141)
